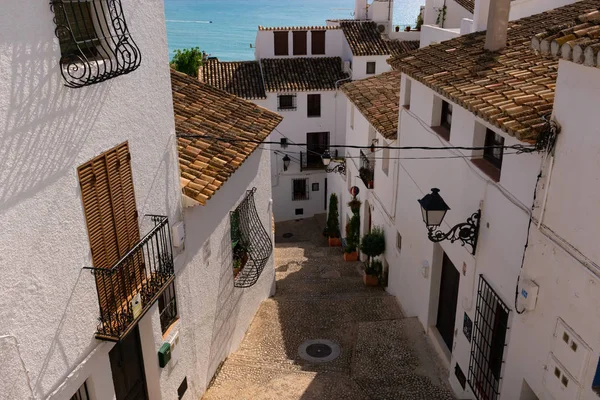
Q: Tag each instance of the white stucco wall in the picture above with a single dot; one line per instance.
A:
(48, 303)
(295, 125)
(454, 13)
(219, 314)
(561, 255)
(434, 34)
(359, 66)
(265, 45)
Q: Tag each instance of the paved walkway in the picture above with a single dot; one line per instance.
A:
(319, 296)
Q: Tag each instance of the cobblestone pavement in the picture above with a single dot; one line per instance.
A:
(319, 296)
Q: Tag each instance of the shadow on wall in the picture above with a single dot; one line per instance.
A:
(46, 123)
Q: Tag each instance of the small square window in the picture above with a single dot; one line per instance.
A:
(398, 241)
(299, 211)
(315, 187)
(371, 67)
(446, 115)
(283, 142)
(286, 102)
(82, 37)
(82, 393)
(167, 307)
(493, 151)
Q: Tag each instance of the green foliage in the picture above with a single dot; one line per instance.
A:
(419, 21)
(373, 243)
(333, 228)
(441, 16)
(187, 61)
(373, 268)
(354, 205)
(353, 235)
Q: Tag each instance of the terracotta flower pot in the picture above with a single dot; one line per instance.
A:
(370, 280)
(335, 242)
(351, 256)
(236, 271)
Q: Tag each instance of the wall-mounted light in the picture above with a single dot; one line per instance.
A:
(434, 209)
(286, 162)
(340, 168)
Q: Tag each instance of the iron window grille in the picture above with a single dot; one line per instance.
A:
(94, 40)
(145, 270)
(252, 232)
(492, 152)
(82, 393)
(286, 102)
(489, 341)
(314, 105)
(167, 307)
(371, 67)
(300, 189)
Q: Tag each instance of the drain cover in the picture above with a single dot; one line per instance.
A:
(319, 351)
(287, 235)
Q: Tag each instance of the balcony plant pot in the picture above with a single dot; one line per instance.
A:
(236, 271)
(397, 29)
(352, 256)
(370, 280)
(335, 242)
(407, 29)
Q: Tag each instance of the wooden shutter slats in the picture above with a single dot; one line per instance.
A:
(108, 200)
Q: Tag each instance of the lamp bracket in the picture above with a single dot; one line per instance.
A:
(466, 232)
(339, 168)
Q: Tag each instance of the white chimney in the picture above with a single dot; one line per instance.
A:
(497, 24)
(360, 9)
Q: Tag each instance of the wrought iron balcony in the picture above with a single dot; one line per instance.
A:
(128, 289)
(367, 170)
(310, 161)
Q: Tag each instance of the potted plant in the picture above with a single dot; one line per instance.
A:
(407, 29)
(354, 205)
(237, 266)
(419, 21)
(372, 245)
(240, 257)
(332, 230)
(372, 272)
(352, 238)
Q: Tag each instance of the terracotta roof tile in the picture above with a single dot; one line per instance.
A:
(200, 109)
(297, 28)
(241, 78)
(468, 5)
(365, 40)
(577, 40)
(302, 73)
(378, 99)
(511, 88)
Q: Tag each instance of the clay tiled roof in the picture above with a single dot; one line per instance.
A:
(468, 5)
(302, 73)
(577, 41)
(297, 28)
(200, 109)
(378, 99)
(511, 88)
(241, 78)
(365, 40)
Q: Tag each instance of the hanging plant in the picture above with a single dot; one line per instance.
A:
(354, 205)
(441, 16)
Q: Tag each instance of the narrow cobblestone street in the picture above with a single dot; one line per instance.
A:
(320, 296)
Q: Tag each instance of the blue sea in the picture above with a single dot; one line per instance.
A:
(226, 29)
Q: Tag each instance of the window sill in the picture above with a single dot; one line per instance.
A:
(442, 131)
(170, 329)
(287, 109)
(313, 116)
(488, 168)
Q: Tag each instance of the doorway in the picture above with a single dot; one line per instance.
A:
(127, 365)
(316, 144)
(446, 315)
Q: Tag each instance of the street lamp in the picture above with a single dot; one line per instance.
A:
(340, 168)
(434, 209)
(286, 162)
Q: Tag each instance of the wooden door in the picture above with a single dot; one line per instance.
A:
(127, 365)
(446, 315)
(316, 144)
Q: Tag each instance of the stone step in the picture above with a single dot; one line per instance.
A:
(307, 252)
(331, 288)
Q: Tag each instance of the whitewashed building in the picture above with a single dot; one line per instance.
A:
(297, 73)
(113, 289)
(513, 315)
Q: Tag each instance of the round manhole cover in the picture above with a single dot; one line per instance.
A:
(287, 235)
(319, 351)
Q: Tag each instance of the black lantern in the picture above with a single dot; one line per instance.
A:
(434, 209)
(286, 162)
(326, 157)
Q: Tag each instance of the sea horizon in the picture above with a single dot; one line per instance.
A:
(227, 32)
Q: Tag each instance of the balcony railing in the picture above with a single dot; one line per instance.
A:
(310, 161)
(366, 170)
(128, 289)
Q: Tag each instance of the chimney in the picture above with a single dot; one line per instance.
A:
(360, 9)
(497, 25)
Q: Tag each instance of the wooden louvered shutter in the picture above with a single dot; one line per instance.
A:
(299, 43)
(317, 42)
(280, 40)
(111, 217)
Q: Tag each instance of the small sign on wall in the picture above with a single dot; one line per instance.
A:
(468, 327)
